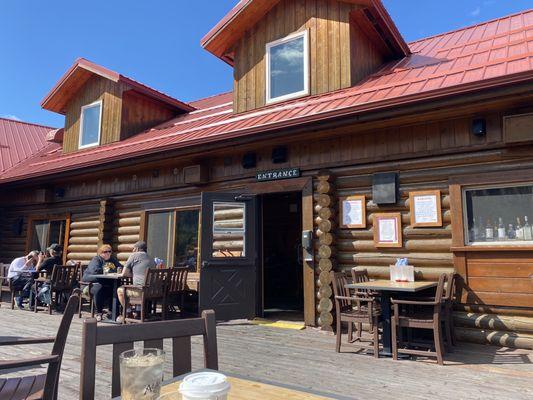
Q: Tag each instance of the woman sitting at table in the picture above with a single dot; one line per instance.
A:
(102, 292)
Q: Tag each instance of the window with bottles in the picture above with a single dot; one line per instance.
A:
(172, 236)
(499, 215)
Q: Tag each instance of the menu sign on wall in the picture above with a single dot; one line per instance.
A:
(353, 212)
(388, 230)
(425, 208)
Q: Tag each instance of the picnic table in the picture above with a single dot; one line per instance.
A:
(386, 288)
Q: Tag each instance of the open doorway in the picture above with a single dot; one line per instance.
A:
(282, 256)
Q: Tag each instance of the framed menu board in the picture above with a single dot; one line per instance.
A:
(388, 230)
(425, 208)
(352, 210)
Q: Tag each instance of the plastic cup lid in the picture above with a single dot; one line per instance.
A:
(204, 383)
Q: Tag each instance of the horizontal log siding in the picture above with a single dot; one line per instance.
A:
(84, 235)
(428, 249)
(126, 228)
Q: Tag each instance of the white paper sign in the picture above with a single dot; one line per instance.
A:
(387, 230)
(426, 209)
(352, 212)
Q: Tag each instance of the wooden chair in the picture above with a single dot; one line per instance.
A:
(85, 295)
(122, 337)
(62, 282)
(447, 310)
(176, 289)
(147, 296)
(4, 282)
(359, 276)
(358, 309)
(425, 315)
(40, 386)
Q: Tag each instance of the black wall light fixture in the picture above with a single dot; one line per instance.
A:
(60, 193)
(279, 154)
(479, 127)
(249, 160)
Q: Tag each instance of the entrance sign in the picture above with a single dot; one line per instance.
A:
(425, 208)
(278, 174)
(388, 230)
(353, 212)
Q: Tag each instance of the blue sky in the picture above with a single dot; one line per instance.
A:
(157, 42)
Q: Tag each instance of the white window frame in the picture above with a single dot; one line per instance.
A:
(97, 143)
(305, 91)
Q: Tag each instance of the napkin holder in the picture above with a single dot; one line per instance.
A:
(402, 273)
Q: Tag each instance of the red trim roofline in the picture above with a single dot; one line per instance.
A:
(218, 40)
(82, 63)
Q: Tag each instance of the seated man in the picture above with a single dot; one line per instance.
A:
(20, 275)
(136, 266)
(46, 263)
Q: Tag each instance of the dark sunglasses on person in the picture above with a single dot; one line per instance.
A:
(107, 252)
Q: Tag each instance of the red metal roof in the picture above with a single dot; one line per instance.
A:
(80, 72)
(483, 56)
(19, 141)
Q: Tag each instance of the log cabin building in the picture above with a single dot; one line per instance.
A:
(334, 122)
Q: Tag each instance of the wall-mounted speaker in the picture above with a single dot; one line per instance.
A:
(385, 188)
(249, 160)
(479, 127)
(279, 154)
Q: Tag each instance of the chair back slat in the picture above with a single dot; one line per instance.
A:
(450, 286)
(439, 292)
(338, 281)
(181, 355)
(177, 279)
(118, 349)
(52, 375)
(64, 276)
(155, 283)
(360, 276)
(152, 334)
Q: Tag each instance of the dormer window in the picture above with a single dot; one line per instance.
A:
(287, 67)
(90, 124)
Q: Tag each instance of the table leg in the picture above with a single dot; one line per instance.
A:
(386, 324)
(115, 303)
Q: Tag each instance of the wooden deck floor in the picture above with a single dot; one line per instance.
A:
(307, 359)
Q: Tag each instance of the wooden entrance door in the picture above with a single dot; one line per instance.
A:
(228, 275)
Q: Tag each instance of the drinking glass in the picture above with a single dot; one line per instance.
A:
(141, 374)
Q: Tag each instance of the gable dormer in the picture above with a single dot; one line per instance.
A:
(102, 106)
(285, 49)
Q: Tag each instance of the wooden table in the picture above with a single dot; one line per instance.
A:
(245, 389)
(386, 288)
(116, 280)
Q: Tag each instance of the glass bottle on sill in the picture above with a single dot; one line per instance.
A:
(519, 230)
(481, 231)
(501, 229)
(511, 233)
(473, 232)
(527, 230)
(489, 231)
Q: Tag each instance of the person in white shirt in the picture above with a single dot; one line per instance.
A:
(20, 275)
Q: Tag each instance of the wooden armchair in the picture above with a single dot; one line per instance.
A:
(86, 294)
(419, 314)
(62, 282)
(4, 283)
(358, 309)
(359, 276)
(147, 296)
(176, 289)
(40, 386)
(122, 337)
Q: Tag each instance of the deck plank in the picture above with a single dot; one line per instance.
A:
(299, 358)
